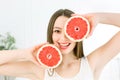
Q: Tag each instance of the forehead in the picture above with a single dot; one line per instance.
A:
(60, 21)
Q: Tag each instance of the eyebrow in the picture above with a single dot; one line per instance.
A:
(56, 28)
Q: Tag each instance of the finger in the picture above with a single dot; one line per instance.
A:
(39, 46)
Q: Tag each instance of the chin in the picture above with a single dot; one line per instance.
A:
(65, 51)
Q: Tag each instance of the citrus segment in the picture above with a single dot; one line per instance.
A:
(77, 28)
(49, 56)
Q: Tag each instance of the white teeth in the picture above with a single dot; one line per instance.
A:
(64, 44)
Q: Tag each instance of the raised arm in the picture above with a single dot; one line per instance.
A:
(101, 56)
(21, 63)
(109, 18)
(7, 56)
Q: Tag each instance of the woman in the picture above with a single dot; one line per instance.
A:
(75, 66)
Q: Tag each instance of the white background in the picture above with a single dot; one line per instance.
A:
(27, 20)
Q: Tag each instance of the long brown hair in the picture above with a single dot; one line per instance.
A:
(78, 50)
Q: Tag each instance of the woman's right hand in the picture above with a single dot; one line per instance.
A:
(31, 53)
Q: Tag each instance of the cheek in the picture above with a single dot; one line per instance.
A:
(74, 44)
(55, 37)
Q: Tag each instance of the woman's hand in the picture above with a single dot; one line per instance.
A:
(31, 53)
(92, 19)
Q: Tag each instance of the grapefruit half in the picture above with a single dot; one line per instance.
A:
(49, 56)
(77, 28)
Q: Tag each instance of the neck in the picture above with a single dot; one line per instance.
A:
(68, 58)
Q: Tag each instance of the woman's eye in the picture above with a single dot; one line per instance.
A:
(56, 31)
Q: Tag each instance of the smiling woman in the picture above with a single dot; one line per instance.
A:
(75, 65)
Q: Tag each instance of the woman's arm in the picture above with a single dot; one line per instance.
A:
(101, 56)
(103, 17)
(109, 18)
(28, 54)
(20, 63)
(7, 56)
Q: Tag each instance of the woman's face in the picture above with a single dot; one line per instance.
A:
(59, 39)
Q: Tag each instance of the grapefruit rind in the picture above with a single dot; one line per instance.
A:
(71, 38)
(41, 49)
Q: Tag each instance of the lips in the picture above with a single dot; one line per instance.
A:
(64, 45)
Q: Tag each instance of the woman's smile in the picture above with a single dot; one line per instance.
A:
(64, 46)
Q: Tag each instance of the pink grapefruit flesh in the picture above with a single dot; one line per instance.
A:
(49, 56)
(77, 28)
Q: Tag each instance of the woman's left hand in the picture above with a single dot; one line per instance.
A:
(92, 19)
